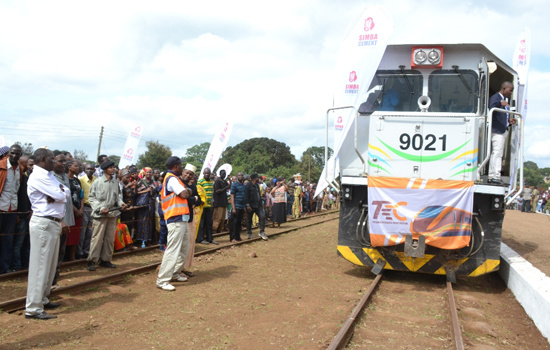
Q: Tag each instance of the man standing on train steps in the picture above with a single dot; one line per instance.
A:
(48, 198)
(175, 208)
(499, 130)
(106, 199)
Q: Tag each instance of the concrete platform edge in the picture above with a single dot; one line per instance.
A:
(530, 286)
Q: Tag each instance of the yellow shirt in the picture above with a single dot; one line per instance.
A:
(86, 183)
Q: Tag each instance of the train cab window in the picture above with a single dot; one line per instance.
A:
(454, 91)
(400, 90)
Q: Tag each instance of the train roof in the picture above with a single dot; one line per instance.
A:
(462, 46)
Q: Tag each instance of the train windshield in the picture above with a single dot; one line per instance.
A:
(400, 90)
(455, 91)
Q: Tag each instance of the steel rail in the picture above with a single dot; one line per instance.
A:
(19, 303)
(456, 330)
(344, 335)
(20, 273)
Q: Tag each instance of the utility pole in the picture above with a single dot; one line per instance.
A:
(99, 147)
(309, 164)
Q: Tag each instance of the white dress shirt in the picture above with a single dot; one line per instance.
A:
(42, 184)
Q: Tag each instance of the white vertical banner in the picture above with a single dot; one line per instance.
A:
(521, 60)
(216, 147)
(130, 148)
(360, 54)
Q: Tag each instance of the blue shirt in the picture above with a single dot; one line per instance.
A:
(237, 189)
(500, 119)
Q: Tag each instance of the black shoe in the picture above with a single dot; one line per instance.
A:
(91, 266)
(496, 181)
(42, 316)
(107, 264)
(51, 305)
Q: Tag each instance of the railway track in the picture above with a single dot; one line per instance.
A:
(18, 303)
(346, 333)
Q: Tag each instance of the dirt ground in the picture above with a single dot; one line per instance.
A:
(291, 292)
(529, 235)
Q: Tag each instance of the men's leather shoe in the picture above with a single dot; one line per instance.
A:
(107, 264)
(42, 316)
(214, 242)
(496, 181)
(91, 266)
(205, 242)
(51, 305)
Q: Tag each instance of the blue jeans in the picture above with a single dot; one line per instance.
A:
(7, 229)
(20, 258)
(289, 203)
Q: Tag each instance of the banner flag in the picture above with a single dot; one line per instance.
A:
(322, 183)
(521, 60)
(358, 58)
(216, 147)
(360, 54)
(440, 210)
(130, 148)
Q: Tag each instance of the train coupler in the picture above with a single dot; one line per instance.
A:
(415, 248)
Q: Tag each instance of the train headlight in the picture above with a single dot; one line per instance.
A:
(347, 193)
(420, 56)
(433, 56)
(497, 203)
(427, 57)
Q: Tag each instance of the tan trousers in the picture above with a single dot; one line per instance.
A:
(103, 239)
(44, 239)
(177, 248)
(218, 218)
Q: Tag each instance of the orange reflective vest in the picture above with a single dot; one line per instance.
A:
(171, 204)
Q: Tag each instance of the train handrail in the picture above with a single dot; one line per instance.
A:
(488, 145)
(355, 145)
(520, 163)
(333, 183)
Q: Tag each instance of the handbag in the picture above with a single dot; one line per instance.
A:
(144, 198)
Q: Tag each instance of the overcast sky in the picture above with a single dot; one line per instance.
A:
(181, 69)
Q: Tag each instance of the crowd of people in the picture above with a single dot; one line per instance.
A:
(68, 210)
(532, 200)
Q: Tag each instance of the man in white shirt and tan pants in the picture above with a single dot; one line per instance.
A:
(48, 198)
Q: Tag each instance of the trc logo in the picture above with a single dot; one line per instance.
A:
(387, 210)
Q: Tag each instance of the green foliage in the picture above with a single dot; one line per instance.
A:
(312, 163)
(197, 154)
(27, 148)
(114, 158)
(155, 156)
(81, 156)
(260, 155)
(534, 176)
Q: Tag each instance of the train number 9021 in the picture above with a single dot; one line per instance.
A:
(418, 142)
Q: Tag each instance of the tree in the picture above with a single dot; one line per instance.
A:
(197, 154)
(114, 158)
(27, 148)
(312, 162)
(259, 155)
(533, 175)
(155, 156)
(81, 156)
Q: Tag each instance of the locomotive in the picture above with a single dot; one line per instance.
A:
(415, 194)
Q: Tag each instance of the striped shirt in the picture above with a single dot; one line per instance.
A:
(207, 186)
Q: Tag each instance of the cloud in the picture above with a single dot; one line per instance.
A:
(181, 70)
